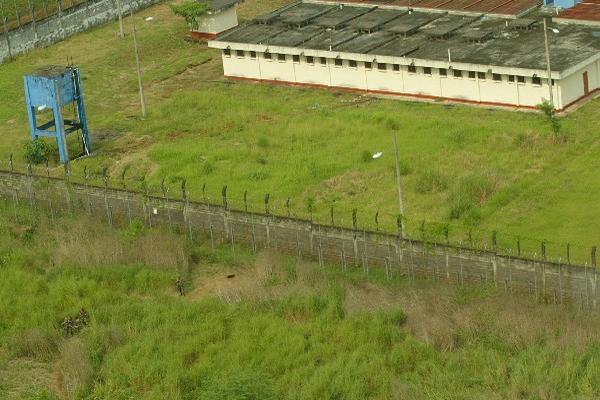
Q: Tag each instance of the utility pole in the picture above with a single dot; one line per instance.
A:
(398, 182)
(8, 46)
(120, 12)
(137, 64)
(548, 70)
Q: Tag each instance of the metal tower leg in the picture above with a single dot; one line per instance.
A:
(61, 139)
(31, 115)
(87, 144)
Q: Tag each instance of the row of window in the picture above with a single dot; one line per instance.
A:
(412, 69)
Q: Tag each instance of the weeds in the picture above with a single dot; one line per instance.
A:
(430, 181)
(469, 193)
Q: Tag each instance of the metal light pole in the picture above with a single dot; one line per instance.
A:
(548, 70)
(120, 12)
(137, 63)
(398, 182)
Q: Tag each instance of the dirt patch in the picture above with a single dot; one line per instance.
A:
(350, 183)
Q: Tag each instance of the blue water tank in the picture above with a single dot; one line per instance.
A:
(54, 87)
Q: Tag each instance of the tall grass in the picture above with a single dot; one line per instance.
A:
(293, 330)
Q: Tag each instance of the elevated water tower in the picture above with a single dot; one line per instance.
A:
(54, 88)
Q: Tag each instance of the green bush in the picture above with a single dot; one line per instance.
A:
(35, 343)
(37, 151)
(430, 181)
(263, 142)
(468, 193)
(190, 11)
(366, 156)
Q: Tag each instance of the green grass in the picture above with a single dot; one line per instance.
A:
(278, 330)
(469, 168)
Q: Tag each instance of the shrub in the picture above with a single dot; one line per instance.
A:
(396, 317)
(36, 344)
(258, 176)
(548, 109)
(457, 137)
(430, 181)
(366, 156)
(190, 11)
(469, 192)
(263, 142)
(37, 151)
(207, 168)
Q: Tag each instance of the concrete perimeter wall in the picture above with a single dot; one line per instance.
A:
(348, 248)
(56, 28)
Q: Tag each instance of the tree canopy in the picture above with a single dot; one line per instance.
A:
(190, 10)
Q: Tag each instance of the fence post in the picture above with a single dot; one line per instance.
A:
(253, 234)
(30, 186)
(510, 272)
(245, 200)
(587, 293)
(225, 208)
(267, 227)
(447, 237)
(165, 191)
(595, 281)
(331, 214)
(17, 13)
(59, 17)
(68, 187)
(186, 219)
(35, 32)
(7, 38)
(535, 288)
(287, 206)
(49, 197)
(128, 198)
(365, 252)
(106, 204)
(560, 282)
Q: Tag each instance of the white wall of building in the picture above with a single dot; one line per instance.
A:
(419, 81)
(572, 86)
(218, 22)
(313, 73)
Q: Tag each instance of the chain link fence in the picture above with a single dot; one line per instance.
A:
(271, 224)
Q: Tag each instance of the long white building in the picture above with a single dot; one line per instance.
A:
(430, 54)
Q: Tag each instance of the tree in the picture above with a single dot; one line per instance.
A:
(548, 109)
(190, 10)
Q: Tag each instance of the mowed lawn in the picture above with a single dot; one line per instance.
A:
(471, 168)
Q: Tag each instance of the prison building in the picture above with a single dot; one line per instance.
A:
(473, 58)
(506, 8)
(221, 15)
(585, 12)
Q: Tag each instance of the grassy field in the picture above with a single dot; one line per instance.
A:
(471, 168)
(262, 327)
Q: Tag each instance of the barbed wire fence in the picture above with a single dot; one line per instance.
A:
(329, 239)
